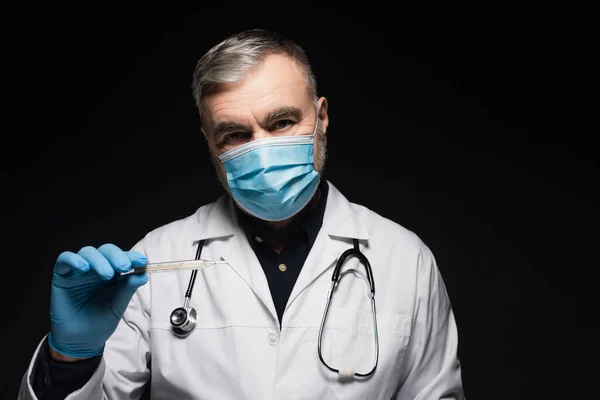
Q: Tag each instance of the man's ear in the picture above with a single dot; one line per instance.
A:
(323, 115)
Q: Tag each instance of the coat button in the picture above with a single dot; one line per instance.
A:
(272, 339)
(282, 267)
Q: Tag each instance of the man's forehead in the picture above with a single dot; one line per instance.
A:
(236, 110)
(278, 81)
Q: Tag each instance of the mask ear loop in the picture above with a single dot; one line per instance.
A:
(316, 118)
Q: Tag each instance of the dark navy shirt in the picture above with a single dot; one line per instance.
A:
(282, 270)
(54, 380)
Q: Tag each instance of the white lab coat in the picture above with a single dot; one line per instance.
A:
(238, 350)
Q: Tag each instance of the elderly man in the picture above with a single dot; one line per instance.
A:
(313, 297)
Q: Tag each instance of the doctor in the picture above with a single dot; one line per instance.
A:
(281, 229)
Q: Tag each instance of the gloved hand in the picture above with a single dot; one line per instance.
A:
(88, 297)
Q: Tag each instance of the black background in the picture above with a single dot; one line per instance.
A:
(462, 124)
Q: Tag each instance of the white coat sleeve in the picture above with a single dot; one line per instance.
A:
(125, 365)
(431, 369)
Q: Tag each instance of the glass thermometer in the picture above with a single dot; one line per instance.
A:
(173, 266)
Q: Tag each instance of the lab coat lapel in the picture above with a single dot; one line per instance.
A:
(221, 221)
(340, 225)
(242, 259)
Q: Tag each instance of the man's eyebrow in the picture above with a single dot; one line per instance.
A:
(281, 112)
(228, 126)
(223, 127)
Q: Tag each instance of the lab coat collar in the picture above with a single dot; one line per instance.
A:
(340, 223)
(219, 219)
(340, 219)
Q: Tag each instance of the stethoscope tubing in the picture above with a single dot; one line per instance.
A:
(191, 313)
(335, 279)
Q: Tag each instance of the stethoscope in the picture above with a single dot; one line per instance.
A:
(184, 319)
(335, 279)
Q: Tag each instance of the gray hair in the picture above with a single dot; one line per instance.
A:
(232, 59)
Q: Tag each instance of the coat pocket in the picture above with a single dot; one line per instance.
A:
(349, 342)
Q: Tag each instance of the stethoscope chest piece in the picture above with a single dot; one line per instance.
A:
(183, 321)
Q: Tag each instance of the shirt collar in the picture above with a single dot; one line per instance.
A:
(341, 219)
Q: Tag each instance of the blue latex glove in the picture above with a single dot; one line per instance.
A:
(89, 297)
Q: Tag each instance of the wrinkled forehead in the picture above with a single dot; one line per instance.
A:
(276, 82)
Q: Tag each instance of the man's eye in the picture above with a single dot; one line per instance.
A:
(282, 124)
(232, 137)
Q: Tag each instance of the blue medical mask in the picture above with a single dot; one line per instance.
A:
(273, 178)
